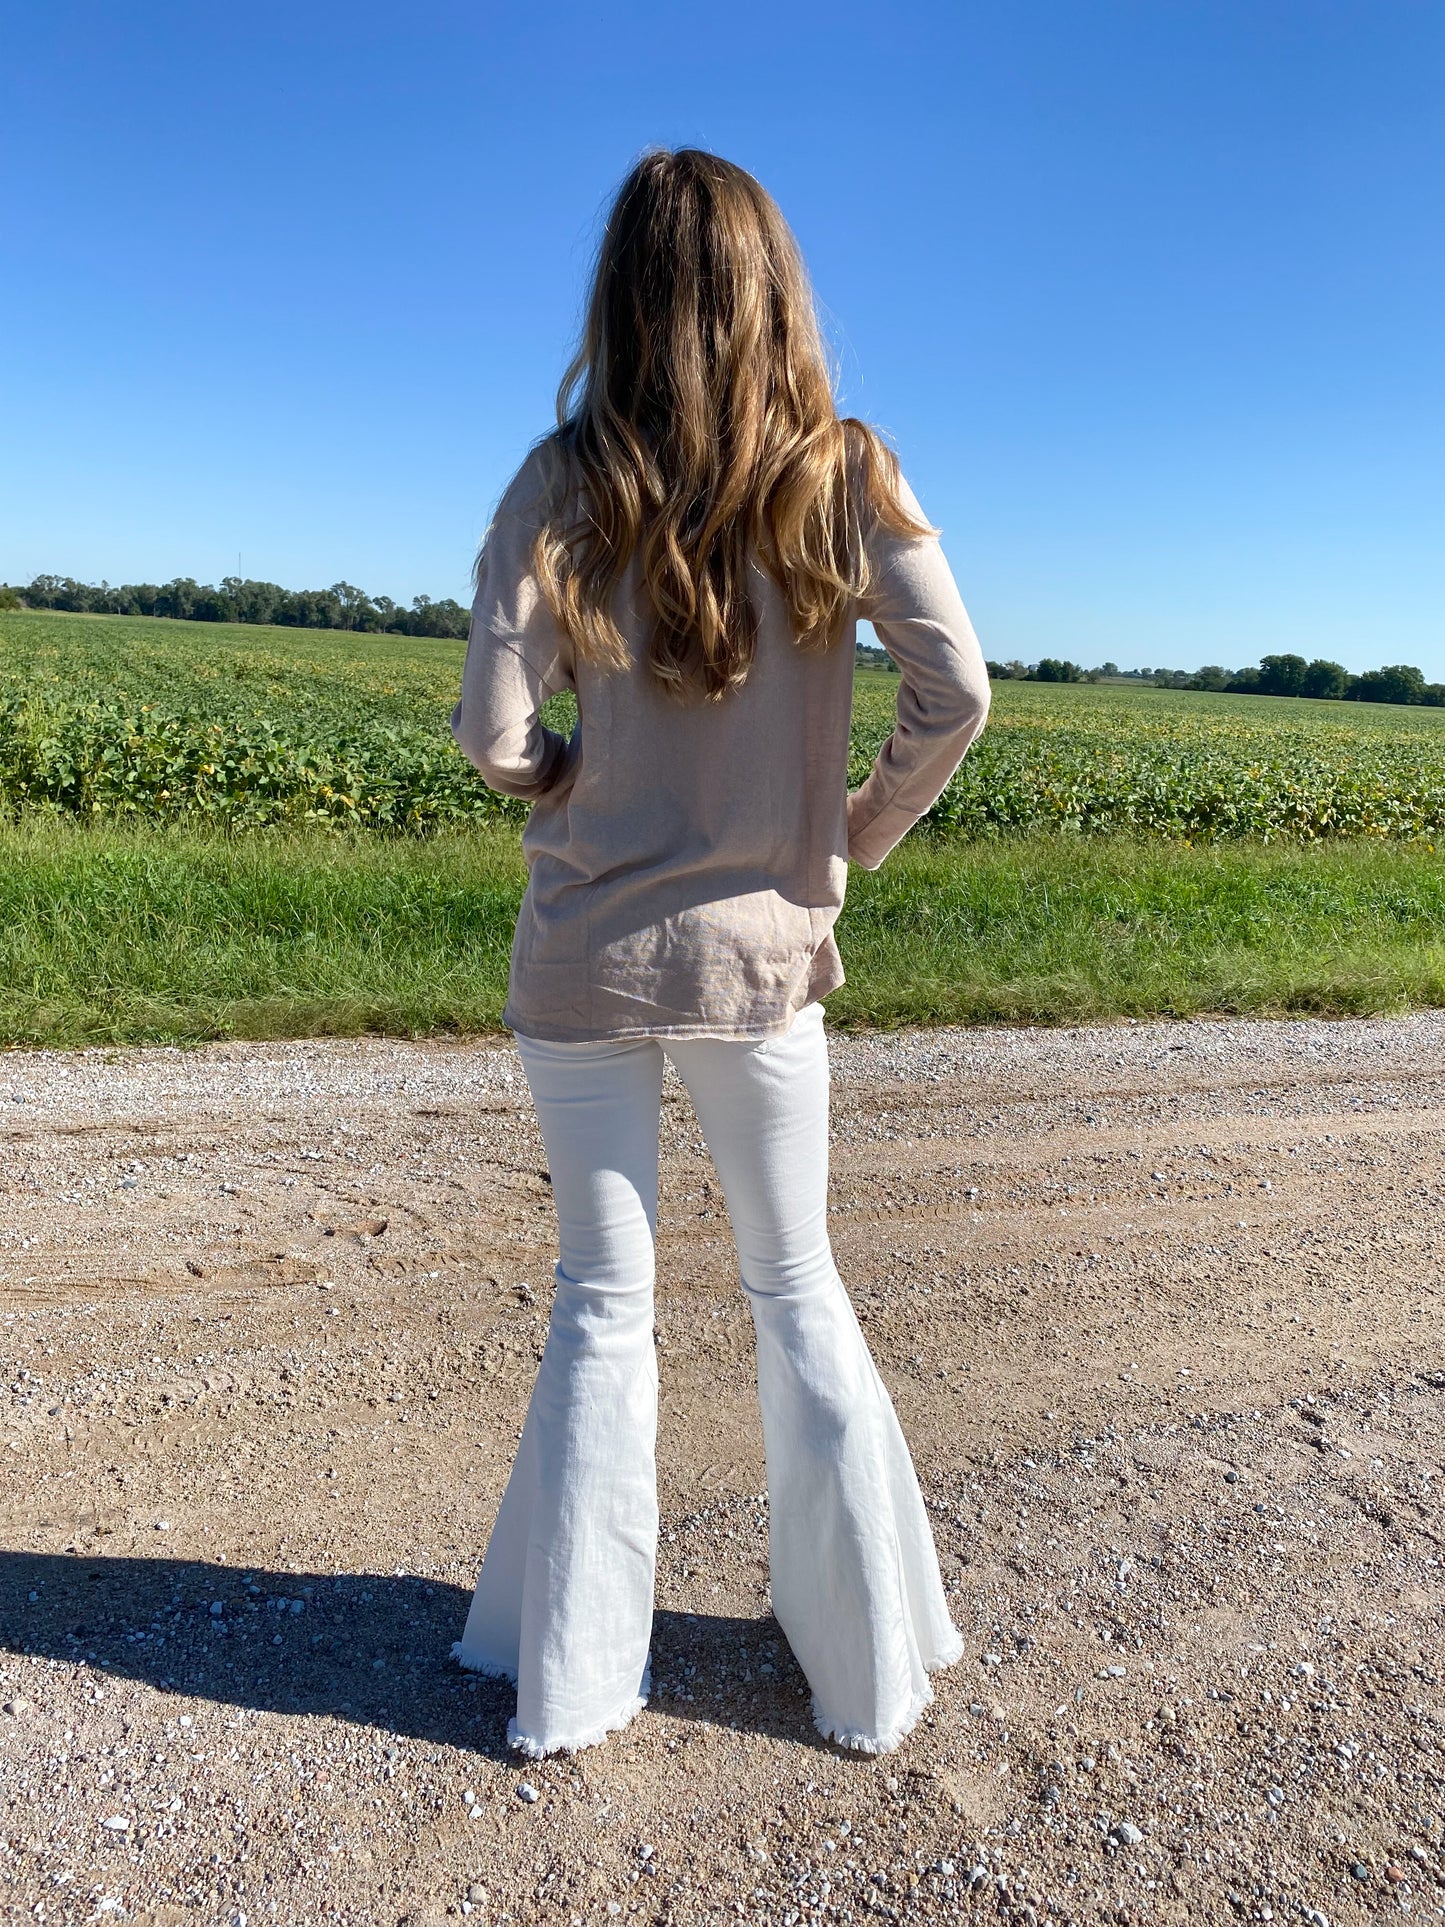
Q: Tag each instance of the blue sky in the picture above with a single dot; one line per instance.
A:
(1148, 295)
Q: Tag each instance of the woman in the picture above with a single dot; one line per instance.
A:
(690, 553)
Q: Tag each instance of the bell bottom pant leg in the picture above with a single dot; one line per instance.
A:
(855, 1578)
(564, 1602)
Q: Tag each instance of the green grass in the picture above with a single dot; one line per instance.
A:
(133, 934)
(1056, 929)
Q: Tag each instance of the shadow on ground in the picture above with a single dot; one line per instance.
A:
(371, 1648)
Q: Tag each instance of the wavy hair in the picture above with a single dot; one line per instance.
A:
(697, 424)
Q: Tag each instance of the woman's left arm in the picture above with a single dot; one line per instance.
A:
(515, 661)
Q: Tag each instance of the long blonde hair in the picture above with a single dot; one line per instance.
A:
(697, 423)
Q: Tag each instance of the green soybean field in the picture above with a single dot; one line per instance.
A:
(124, 718)
(209, 831)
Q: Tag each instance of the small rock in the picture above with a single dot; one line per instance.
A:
(1275, 1796)
(117, 1823)
(1231, 1477)
(1126, 1833)
(477, 1894)
(1359, 1870)
(526, 1791)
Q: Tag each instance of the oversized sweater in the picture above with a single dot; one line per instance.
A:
(687, 861)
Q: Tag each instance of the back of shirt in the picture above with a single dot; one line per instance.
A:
(687, 860)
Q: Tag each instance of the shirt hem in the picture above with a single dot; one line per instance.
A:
(736, 1034)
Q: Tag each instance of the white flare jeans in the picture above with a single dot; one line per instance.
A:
(564, 1603)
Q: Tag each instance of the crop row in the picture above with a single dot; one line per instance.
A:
(1107, 769)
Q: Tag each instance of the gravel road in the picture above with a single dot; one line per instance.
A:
(1159, 1306)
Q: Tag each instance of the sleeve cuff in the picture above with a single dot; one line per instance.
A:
(878, 834)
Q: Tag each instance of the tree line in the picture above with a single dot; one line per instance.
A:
(239, 600)
(344, 606)
(1283, 675)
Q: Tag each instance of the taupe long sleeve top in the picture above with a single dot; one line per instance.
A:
(686, 863)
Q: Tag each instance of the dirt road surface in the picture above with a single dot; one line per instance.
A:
(1160, 1309)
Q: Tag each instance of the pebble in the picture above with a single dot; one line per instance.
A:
(1359, 1870)
(526, 1791)
(117, 1823)
(1126, 1833)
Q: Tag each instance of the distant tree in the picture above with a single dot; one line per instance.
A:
(1327, 681)
(10, 598)
(1052, 669)
(1107, 669)
(1398, 683)
(1211, 676)
(355, 604)
(1244, 682)
(1282, 675)
(178, 598)
(449, 619)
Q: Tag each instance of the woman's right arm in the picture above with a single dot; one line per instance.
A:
(943, 694)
